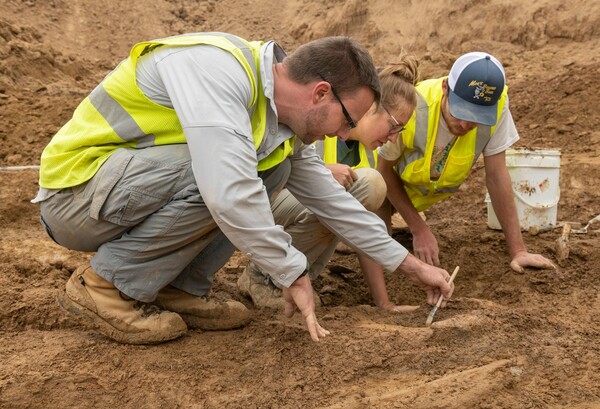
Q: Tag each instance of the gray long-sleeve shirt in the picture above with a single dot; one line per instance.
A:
(210, 91)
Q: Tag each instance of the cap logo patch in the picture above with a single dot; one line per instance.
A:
(482, 91)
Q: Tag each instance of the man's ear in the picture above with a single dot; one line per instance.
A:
(321, 91)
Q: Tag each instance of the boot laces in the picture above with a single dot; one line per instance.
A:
(146, 309)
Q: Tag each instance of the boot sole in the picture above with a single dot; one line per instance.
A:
(216, 324)
(108, 330)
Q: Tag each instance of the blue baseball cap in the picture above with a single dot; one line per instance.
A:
(476, 82)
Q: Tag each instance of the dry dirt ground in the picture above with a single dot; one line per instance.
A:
(506, 340)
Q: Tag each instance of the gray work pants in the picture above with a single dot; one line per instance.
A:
(308, 234)
(144, 217)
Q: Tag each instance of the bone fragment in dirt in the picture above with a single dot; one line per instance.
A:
(562, 245)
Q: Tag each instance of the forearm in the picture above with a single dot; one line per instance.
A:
(499, 186)
(375, 278)
(239, 203)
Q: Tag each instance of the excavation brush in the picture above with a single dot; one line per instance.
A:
(437, 305)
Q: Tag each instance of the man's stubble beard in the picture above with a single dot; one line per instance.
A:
(312, 125)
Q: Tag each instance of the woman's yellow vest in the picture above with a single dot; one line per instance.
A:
(117, 114)
(419, 141)
(327, 150)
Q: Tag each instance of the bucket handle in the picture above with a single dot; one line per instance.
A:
(533, 205)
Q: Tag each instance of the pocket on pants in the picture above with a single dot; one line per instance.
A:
(134, 187)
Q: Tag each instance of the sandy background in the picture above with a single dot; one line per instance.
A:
(506, 340)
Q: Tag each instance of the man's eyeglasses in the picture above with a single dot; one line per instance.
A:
(349, 120)
(396, 127)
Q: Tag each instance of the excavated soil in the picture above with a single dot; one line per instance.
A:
(506, 340)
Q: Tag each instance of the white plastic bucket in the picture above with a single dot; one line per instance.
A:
(535, 176)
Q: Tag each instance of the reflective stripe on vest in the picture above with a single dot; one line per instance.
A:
(327, 150)
(117, 114)
(119, 119)
(243, 52)
(419, 141)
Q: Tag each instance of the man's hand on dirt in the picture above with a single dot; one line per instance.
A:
(300, 294)
(525, 259)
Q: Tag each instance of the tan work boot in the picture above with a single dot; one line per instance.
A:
(201, 312)
(263, 293)
(116, 315)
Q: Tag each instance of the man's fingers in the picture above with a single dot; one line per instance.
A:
(429, 260)
(451, 291)
(323, 332)
(315, 330)
(313, 333)
(545, 263)
(516, 266)
(519, 263)
(424, 256)
(349, 181)
(431, 298)
(438, 293)
(300, 295)
(444, 302)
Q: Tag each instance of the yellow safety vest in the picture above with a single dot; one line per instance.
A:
(117, 114)
(327, 150)
(419, 141)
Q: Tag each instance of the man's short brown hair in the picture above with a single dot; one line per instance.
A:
(341, 61)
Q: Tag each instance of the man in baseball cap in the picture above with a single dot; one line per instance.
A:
(476, 82)
(457, 118)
